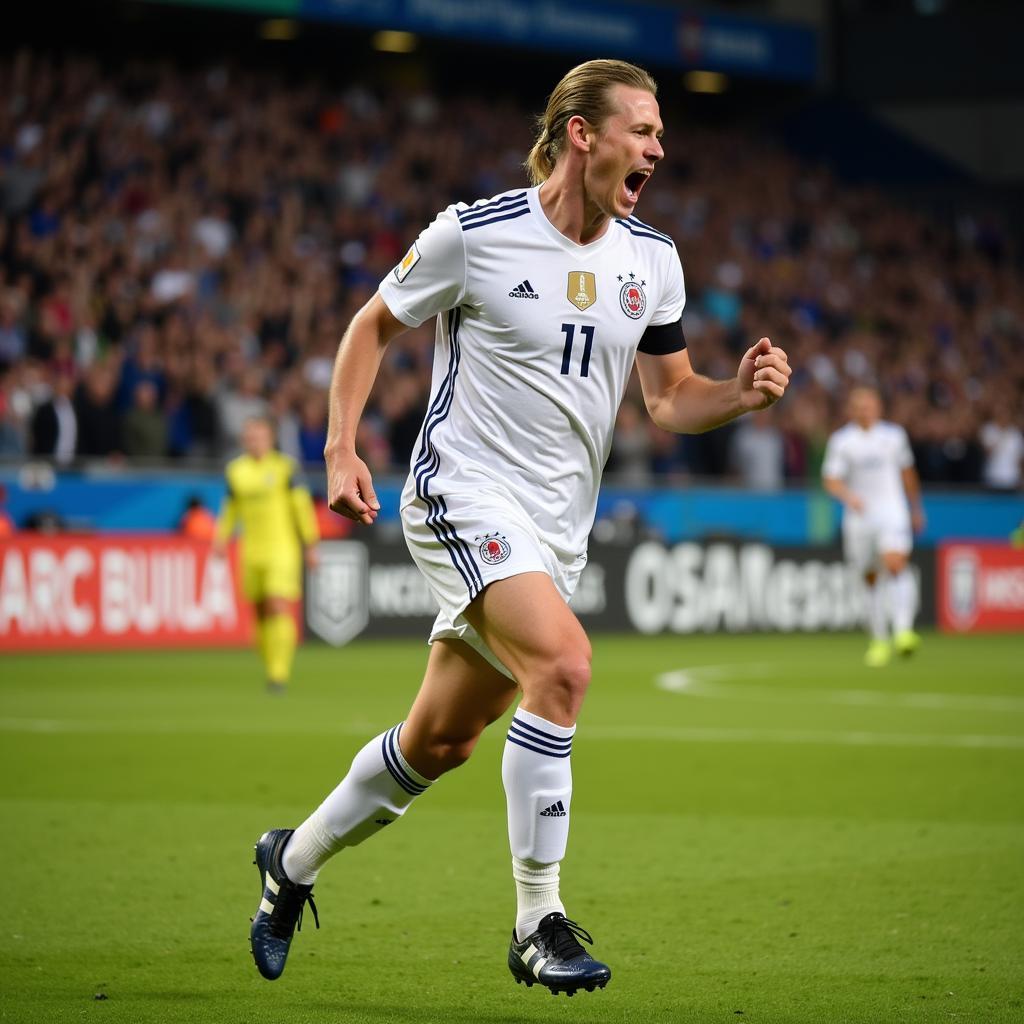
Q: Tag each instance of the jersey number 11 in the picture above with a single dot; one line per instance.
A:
(569, 330)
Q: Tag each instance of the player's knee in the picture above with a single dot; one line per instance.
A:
(566, 680)
(448, 751)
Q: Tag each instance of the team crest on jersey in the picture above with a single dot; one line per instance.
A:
(409, 260)
(632, 298)
(582, 289)
(494, 548)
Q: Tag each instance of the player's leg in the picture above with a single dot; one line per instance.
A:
(282, 587)
(526, 622)
(253, 590)
(879, 648)
(280, 640)
(901, 598)
(861, 552)
(461, 694)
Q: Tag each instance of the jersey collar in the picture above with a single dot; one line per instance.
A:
(549, 229)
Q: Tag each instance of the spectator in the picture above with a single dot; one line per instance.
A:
(313, 429)
(12, 439)
(631, 447)
(1004, 451)
(55, 424)
(144, 426)
(236, 404)
(13, 340)
(99, 425)
(758, 452)
(197, 521)
(193, 420)
(7, 527)
(222, 254)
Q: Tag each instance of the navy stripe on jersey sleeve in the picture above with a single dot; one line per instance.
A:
(663, 339)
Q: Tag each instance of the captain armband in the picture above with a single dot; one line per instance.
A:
(663, 339)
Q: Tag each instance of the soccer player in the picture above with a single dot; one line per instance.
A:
(544, 299)
(869, 467)
(273, 509)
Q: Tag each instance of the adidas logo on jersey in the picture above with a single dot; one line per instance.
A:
(556, 810)
(523, 291)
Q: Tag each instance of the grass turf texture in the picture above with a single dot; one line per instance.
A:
(772, 845)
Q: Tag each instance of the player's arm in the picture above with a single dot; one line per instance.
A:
(835, 467)
(349, 485)
(836, 486)
(226, 522)
(429, 279)
(304, 517)
(680, 400)
(912, 487)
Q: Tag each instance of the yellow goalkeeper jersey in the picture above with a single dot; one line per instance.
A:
(271, 505)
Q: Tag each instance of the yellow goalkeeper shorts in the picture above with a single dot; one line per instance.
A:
(281, 578)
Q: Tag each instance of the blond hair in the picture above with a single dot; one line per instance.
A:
(583, 91)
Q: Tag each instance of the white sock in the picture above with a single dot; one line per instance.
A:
(378, 789)
(538, 788)
(878, 619)
(536, 894)
(901, 600)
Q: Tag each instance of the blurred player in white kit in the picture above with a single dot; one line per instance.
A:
(869, 467)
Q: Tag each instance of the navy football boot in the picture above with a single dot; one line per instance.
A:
(553, 956)
(280, 908)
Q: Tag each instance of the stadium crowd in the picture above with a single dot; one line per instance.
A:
(180, 249)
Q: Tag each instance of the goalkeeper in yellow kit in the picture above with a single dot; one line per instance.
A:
(274, 512)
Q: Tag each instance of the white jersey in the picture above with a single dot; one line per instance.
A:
(870, 463)
(536, 337)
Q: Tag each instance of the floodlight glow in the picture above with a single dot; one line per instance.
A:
(279, 29)
(394, 42)
(705, 81)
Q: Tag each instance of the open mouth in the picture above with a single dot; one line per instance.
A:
(634, 182)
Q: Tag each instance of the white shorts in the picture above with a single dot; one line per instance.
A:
(866, 539)
(462, 543)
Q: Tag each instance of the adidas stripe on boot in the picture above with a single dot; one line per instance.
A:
(280, 909)
(553, 956)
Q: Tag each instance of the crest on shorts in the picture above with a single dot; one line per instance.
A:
(494, 548)
(632, 298)
(582, 289)
(337, 594)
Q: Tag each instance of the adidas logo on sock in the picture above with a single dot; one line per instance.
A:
(523, 291)
(556, 810)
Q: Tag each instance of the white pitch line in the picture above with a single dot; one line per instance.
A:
(702, 681)
(600, 733)
(799, 736)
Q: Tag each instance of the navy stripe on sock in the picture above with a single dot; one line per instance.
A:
(396, 755)
(542, 744)
(536, 750)
(558, 740)
(394, 765)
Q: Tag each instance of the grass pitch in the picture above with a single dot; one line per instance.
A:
(774, 834)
